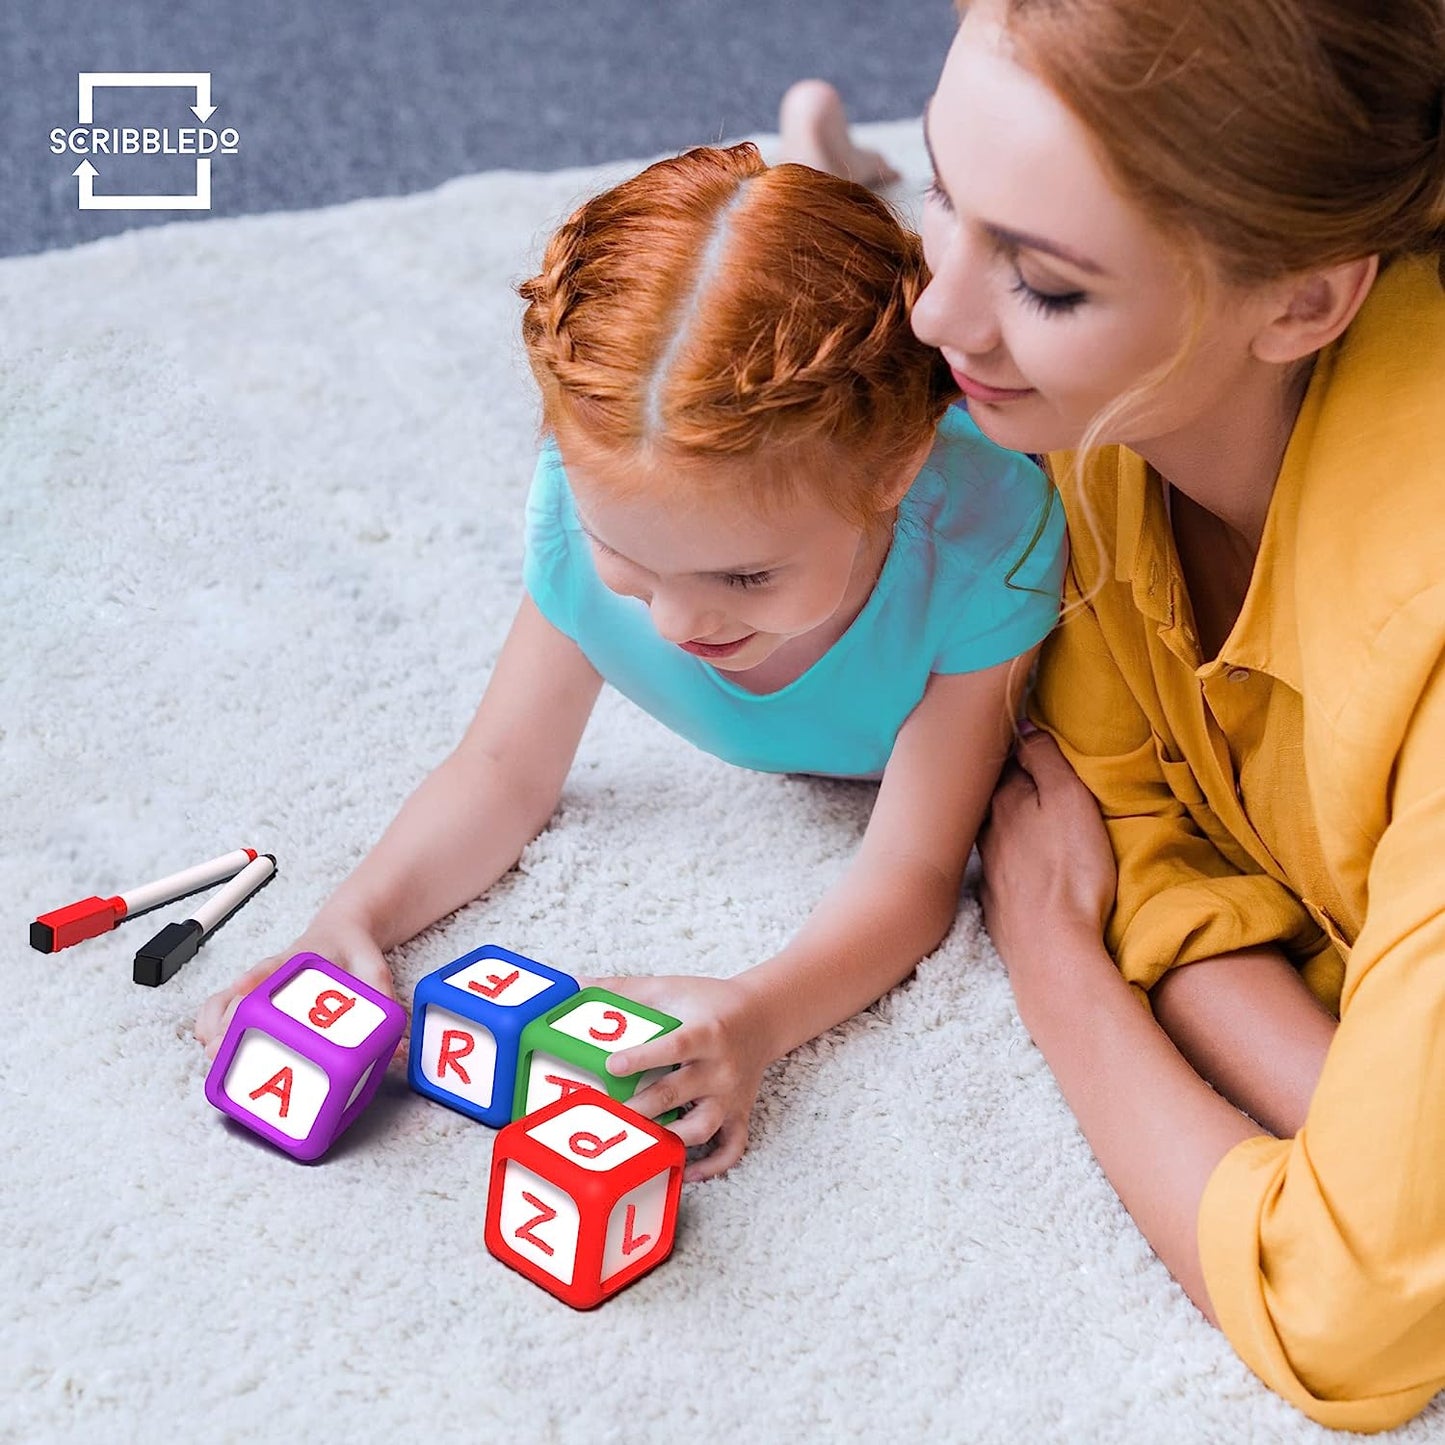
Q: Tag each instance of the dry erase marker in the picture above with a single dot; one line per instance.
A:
(93, 916)
(176, 943)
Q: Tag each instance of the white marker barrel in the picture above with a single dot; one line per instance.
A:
(188, 880)
(240, 888)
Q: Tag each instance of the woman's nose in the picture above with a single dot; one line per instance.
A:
(956, 309)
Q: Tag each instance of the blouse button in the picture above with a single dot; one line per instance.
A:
(1238, 674)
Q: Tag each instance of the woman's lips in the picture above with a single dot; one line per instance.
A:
(979, 391)
(716, 649)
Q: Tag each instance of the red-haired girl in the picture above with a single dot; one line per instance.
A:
(757, 515)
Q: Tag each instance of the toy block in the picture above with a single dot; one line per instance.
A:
(467, 1020)
(304, 1053)
(567, 1048)
(583, 1196)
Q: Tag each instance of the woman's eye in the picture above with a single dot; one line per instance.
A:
(748, 579)
(1051, 303)
(935, 192)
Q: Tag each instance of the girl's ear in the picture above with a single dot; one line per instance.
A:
(1309, 311)
(907, 475)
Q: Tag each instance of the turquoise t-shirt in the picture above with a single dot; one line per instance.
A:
(972, 579)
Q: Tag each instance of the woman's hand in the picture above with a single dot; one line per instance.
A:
(1048, 867)
(347, 945)
(721, 1052)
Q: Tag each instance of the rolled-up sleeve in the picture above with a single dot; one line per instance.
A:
(1179, 897)
(1325, 1254)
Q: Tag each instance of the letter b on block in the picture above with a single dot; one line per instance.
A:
(467, 1022)
(304, 1054)
(584, 1197)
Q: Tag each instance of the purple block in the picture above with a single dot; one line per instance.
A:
(304, 1054)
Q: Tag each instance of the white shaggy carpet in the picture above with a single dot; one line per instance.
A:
(260, 491)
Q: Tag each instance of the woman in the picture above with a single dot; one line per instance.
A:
(1193, 254)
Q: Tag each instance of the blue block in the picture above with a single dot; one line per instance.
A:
(466, 1028)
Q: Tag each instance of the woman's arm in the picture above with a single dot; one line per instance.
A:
(1157, 1129)
(464, 826)
(1248, 1024)
(893, 905)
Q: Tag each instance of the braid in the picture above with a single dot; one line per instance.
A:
(714, 308)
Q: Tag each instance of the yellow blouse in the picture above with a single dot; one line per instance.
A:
(1292, 791)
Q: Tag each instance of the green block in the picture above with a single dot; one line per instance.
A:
(569, 1045)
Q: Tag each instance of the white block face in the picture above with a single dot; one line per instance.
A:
(549, 1079)
(539, 1221)
(499, 982)
(634, 1228)
(360, 1085)
(458, 1055)
(605, 1025)
(315, 999)
(589, 1135)
(276, 1084)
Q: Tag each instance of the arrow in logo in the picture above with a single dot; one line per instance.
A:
(200, 80)
(89, 201)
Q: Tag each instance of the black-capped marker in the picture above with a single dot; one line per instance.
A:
(178, 943)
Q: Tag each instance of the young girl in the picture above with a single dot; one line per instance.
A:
(756, 515)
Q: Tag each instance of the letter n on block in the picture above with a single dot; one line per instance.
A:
(467, 1022)
(584, 1197)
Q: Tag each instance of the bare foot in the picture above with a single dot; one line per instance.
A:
(814, 130)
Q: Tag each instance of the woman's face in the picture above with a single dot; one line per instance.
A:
(1052, 294)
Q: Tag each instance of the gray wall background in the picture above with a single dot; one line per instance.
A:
(336, 99)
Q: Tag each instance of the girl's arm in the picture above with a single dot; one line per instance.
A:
(893, 905)
(464, 826)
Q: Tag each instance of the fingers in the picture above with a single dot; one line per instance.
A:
(678, 1088)
(640, 989)
(732, 1141)
(1039, 756)
(675, 1047)
(215, 1014)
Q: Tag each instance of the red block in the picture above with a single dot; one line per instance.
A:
(584, 1196)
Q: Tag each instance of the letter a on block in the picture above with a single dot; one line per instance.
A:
(275, 1083)
(279, 1084)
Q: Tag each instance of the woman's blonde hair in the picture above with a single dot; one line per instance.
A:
(1282, 135)
(752, 318)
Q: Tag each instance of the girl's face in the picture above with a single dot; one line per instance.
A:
(1052, 294)
(724, 584)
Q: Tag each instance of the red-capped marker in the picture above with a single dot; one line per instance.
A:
(93, 916)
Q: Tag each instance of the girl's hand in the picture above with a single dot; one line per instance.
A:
(721, 1051)
(1048, 866)
(349, 946)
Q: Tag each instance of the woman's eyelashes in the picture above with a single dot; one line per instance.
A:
(1051, 303)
